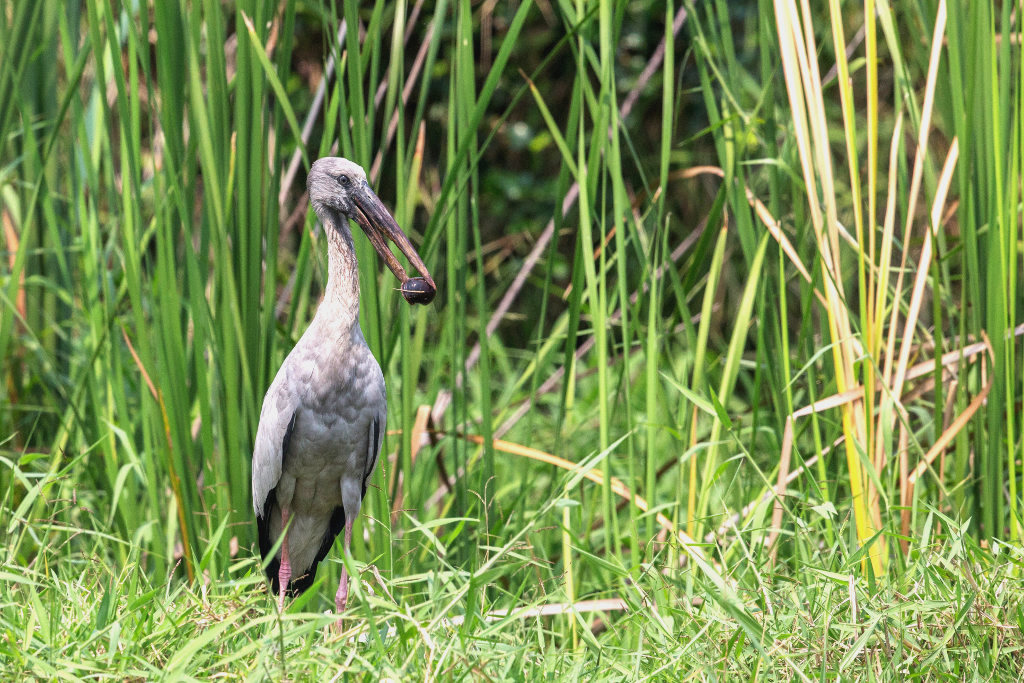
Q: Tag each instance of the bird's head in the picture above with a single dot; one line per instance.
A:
(339, 186)
(334, 182)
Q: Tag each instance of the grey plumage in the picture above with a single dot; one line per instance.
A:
(324, 415)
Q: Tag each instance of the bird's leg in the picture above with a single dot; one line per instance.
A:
(284, 570)
(342, 595)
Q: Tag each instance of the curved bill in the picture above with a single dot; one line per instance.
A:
(380, 226)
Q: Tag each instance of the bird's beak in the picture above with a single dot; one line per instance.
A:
(380, 226)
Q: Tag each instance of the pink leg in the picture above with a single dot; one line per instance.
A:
(284, 571)
(341, 598)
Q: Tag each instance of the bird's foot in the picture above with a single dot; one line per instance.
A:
(340, 600)
(284, 575)
(341, 597)
(284, 571)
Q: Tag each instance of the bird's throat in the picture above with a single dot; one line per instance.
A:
(342, 294)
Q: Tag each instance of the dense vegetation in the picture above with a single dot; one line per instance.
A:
(724, 377)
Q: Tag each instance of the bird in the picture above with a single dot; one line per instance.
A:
(323, 417)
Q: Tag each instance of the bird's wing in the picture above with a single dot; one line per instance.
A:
(277, 420)
(375, 442)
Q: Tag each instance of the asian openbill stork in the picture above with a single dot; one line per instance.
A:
(323, 417)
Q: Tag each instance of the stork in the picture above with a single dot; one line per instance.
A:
(323, 417)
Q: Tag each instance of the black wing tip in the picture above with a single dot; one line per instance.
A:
(297, 585)
(334, 528)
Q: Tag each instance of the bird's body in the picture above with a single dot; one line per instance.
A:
(335, 395)
(323, 417)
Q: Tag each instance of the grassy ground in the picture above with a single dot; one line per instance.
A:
(954, 613)
(723, 379)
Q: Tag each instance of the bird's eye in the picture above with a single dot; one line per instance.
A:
(343, 179)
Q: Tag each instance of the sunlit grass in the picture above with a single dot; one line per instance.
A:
(723, 378)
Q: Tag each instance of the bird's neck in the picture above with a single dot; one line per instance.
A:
(340, 307)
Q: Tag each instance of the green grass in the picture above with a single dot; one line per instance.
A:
(723, 378)
(947, 615)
